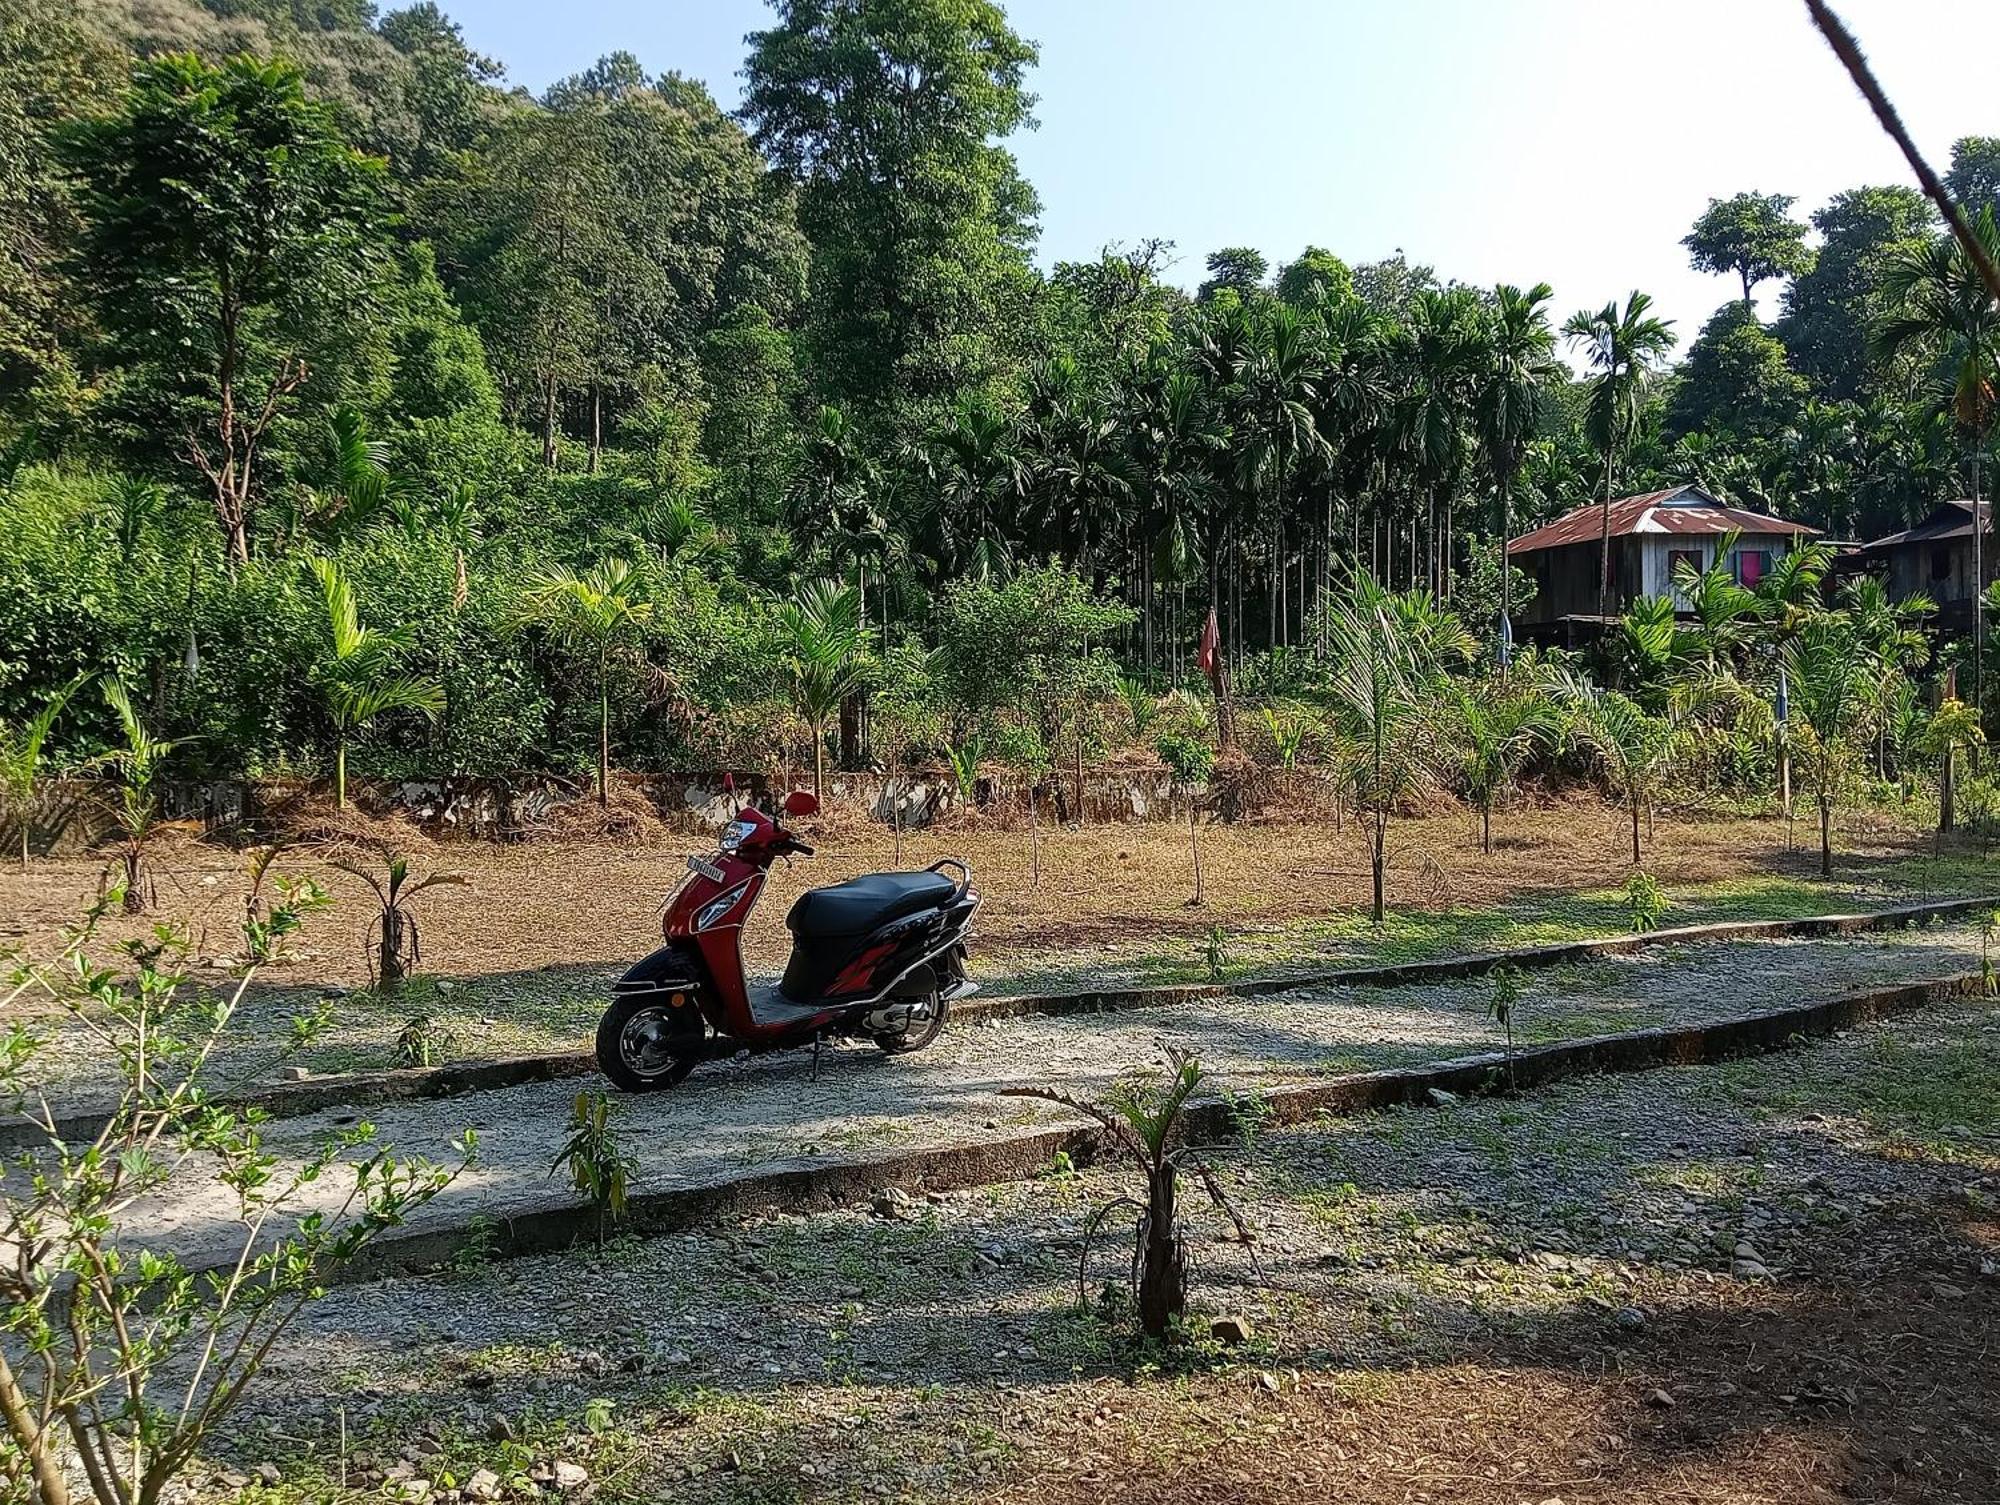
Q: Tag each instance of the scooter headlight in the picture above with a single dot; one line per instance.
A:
(735, 834)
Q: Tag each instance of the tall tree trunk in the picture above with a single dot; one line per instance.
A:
(596, 426)
(1376, 858)
(1604, 542)
(1978, 594)
(1825, 836)
(340, 771)
(603, 738)
(1947, 790)
(1506, 575)
(1194, 846)
(549, 419)
(1635, 830)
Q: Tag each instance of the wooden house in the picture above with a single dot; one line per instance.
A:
(1650, 535)
(1934, 558)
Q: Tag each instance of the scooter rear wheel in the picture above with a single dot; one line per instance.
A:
(645, 1044)
(918, 1033)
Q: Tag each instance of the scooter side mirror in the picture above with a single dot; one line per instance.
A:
(800, 803)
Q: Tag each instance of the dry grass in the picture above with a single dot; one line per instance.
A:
(1104, 890)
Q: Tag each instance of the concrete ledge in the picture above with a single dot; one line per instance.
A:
(363, 1088)
(808, 1184)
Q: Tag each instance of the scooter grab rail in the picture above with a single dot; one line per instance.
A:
(965, 876)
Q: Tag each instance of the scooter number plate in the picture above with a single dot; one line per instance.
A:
(706, 868)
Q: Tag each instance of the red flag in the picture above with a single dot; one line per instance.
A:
(1211, 639)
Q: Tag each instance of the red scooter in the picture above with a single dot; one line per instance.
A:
(881, 957)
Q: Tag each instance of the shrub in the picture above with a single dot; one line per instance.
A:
(135, 1359)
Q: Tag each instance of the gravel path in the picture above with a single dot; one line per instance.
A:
(1586, 1243)
(733, 1118)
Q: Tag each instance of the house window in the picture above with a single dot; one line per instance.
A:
(1752, 565)
(1940, 562)
(1678, 557)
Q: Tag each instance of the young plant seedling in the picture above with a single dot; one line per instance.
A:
(1645, 901)
(599, 1167)
(1508, 988)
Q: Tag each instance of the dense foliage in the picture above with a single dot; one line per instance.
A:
(355, 407)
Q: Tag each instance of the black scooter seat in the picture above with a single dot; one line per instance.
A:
(861, 904)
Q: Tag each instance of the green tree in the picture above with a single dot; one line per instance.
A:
(1512, 398)
(1623, 348)
(1974, 178)
(886, 115)
(1384, 677)
(53, 68)
(1237, 270)
(229, 231)
(1314, 271)
(359, 676)
(135, 763)
(1191, 761)
(1494, 730)
(1636, 749)
(1830, 308)
(595, 614)
(1750, 235)
(1735, 379)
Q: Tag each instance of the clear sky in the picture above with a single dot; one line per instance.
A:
(1569, 141)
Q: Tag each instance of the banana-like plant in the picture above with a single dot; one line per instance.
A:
(396, 945)
(598, 614)
(21, 760)
(823, 652)
(360, 678)
(1142, 1115)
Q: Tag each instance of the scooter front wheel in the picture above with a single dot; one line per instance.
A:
(644, 1043)
(919, 1032)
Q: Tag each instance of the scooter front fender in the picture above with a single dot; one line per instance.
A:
(675, 964)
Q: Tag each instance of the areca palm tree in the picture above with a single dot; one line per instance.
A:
(976, 478)
(1521, 365)
(596, 614)
(1446, 349)
(21, 759)
(1623, 347)
(1831, 677)
(136, 764)
(1385, 682)
(1943, 313)
(1494, 730)
(823, 652)
(360, 678)
(1281, 386)
(1636, 749)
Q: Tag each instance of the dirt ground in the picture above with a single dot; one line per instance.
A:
(1108, 898)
